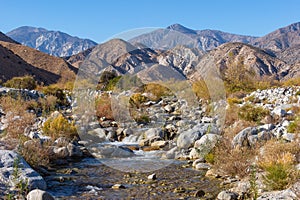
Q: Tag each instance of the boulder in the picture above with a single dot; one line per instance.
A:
(202, 166)
(187, 138)
(61, 152)
(241, 139)
(37, 194)
(74, 151)
(111, 151)
(9, 162)
(226, 195)
(154, 132)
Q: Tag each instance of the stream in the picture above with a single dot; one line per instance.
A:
(89, 178)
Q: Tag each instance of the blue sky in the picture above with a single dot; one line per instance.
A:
(99, 20)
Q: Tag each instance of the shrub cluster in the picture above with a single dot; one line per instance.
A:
(26, 82)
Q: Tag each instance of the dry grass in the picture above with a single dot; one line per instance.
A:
(103, 107)
(278, 160)
(17, 116)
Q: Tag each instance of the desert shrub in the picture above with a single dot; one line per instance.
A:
(252, 113)
(292, 82)
(48, 103)
(36, 155)
(278, 160)
(137, 99)
(128, 82)
(54, 90)
(18, 117)
(26, 82)
(210, 158)
(233, 100)
(103, 107)
(233, 161)
(238, 78)
(294, 127)
(112, 83)
(59, 126)
(200, 89)
(157, 91)
(141, 118)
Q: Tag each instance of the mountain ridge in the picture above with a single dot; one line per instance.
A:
(55, 43)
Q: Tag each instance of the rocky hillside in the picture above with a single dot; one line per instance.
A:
(255, 59)
(280, 39)
(290, 55)
(51, 42)
(5, 38)
(203, 39)
(19, 60)
(124, 57)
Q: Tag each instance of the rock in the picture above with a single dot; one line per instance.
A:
(204, 145)
(279, 111)
(74, 151)
(171, 153)
(288, 136)
(188, 138)
(39, 195)
(202, 166)
(168, 108)
(152, 177)
(159, 144)
(200, 160)
(26, 173)
(118, 186)
(265, 135)
(226, 195)
(284, 194)
(100, 132)
(61, 141)
(127, 132)
(111, 151)
(199, 193)
(144, 142)
(61, 152)
(154, 132)
(241, 139)
(130, 139)
(265, 127)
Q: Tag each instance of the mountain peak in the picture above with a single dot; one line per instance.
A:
(181, 28)
(51, 42)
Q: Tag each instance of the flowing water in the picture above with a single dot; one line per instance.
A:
(91, 179)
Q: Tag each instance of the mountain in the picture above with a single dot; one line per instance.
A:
(177, 34)
(19, 60)
(5, 38)
(290, 55)
(257, 60)
(54, 43)
(280, 39)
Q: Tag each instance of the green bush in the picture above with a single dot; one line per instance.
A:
(26, 82)
(252, 113)
(278, 176)
(59, 127)
(294, 127)
(137, 99)
(54, 90)
(156, 90)
(142, 119)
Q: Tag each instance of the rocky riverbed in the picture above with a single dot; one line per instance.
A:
(105, 163)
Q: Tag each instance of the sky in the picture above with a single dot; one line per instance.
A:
(100, 20)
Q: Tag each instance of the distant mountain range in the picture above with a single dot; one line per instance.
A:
(180, 49)
(55, 43)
